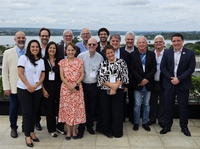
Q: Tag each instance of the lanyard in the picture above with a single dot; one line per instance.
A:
(143, 59)
(50, 64)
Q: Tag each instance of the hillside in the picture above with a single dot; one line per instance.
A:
(189, 35)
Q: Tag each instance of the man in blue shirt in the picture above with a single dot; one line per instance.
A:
(10, 78)
(85, 35)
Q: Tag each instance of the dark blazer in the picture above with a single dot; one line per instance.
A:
(185, 68)
(137, 69)
(61, 51)
(98, 49)
(123, 48)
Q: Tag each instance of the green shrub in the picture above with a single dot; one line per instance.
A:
(3, 97)
(195, 91)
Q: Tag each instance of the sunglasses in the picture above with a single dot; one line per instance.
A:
(91, 44)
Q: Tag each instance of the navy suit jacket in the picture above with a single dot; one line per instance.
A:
(137, 70)
(185, 69)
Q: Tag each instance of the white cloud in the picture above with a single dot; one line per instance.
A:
(124, 15)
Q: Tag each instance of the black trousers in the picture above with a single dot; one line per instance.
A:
(51, 104)
(131, 100)
(157, 106)
(110, 117)
(182, 99)
(30, 103)
(90, 98)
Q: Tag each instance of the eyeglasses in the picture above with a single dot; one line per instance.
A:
(44, 35)
(85, 34)
(158, 41)
(91, 44)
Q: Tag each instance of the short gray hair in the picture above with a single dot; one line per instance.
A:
(116, 36)
(159, 36)
(67, 31)
(85, 29)
(143, 37)
(129, 33)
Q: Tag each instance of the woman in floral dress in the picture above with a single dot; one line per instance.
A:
(72, 107)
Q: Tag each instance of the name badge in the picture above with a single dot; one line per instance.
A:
(92, 74)
(112, 79)
(35, 78)
(51, 75)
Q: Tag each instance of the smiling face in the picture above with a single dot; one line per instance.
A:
(110, 55)
(68, 37)
(52, 50)
(129, 41)
(103, 36)
(142, 44)
(70, 52)
(177, 43)
(159, 44)
(115, 42)
(92, 45)
(20, 39)
(44, 37)
(34, 48)
(85, 34)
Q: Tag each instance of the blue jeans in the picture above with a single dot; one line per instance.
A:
(13, 111)
(139, 97)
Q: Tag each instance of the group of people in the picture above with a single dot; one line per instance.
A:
(87, 81)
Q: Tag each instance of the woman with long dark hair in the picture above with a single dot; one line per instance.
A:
(29, 87)
(51, 86)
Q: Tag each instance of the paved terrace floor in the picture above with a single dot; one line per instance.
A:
(140, 139)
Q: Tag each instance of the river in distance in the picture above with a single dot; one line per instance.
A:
(9, 40)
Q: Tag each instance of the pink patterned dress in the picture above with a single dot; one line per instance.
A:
(72, 106)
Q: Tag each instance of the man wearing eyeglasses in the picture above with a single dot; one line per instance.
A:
(85, 35)
(157, 107)
(44, 35)
(92, 60)
(67, 38)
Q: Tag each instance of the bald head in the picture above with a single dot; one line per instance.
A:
(20, 39)
(92, 45)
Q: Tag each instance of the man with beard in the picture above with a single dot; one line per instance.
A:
(10, 78)
(44, 36)
(103, 34)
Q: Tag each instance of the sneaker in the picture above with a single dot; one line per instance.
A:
(61, 131)
(54, 134)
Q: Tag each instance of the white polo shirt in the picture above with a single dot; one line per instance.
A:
(30, 70)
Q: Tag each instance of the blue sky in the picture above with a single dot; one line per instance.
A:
(123, 15)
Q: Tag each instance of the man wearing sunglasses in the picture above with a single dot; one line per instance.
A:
(92, 60)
